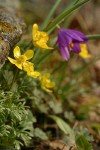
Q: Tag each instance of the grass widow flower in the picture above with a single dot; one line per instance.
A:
(40, 38)
(69, 41)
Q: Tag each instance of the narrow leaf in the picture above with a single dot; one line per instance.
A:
(65, 13)
(64, 126)
(46, 21)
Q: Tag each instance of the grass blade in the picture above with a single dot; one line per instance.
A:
(65, 13)
(50, 14)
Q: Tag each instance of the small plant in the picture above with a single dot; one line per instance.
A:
(16, 121)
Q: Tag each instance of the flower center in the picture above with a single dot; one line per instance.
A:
(22, 58)
(71, 45)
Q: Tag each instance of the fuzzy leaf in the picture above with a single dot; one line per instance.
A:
(39, 133)
(83, 144)
(64, 127)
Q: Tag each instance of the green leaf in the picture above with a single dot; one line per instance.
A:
(58, 105)
(64, 14)
(84, 132)
(39, 133)
(83, 144)
(96, 127)
(64, 127)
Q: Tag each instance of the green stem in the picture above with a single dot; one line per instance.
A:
(41, 60)
(44, 57)
(13, 79)
(37, 51)
(94, 37)
(76, 2)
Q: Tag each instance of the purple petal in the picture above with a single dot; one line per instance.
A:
(76, 49)
(64, 52)
(76, 35)
(63, 40)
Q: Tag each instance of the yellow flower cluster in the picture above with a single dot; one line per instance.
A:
(40, 40)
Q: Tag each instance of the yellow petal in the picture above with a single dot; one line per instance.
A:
(84, 52)
(29, 54)
(35, 29)
(40, 38)
(17, 52)
(28, 67)
(15, 62)
(34, 74)
(22, 58)
(47, 90)
(46, 84)
(50, 84)
(45, 36)
(19, 65)
(42, 44)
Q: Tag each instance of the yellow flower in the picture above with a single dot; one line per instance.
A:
(29, 68)
(40, 38)
(84, 52)
(46, 84)
(21, 60)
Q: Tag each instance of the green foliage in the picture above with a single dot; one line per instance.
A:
(15, 126)
(40, 134)
(84, 132)
(83, 144)
(83, 139)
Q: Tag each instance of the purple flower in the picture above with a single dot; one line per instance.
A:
(69, 41)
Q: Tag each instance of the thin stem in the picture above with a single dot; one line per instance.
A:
(76, 2)
(43, 57)
(37, 51)
(94, 37)
(47, 54)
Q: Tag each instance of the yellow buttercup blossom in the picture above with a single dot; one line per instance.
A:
(46, 84)
(20, 60)
(40, 38)
(84, 52)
